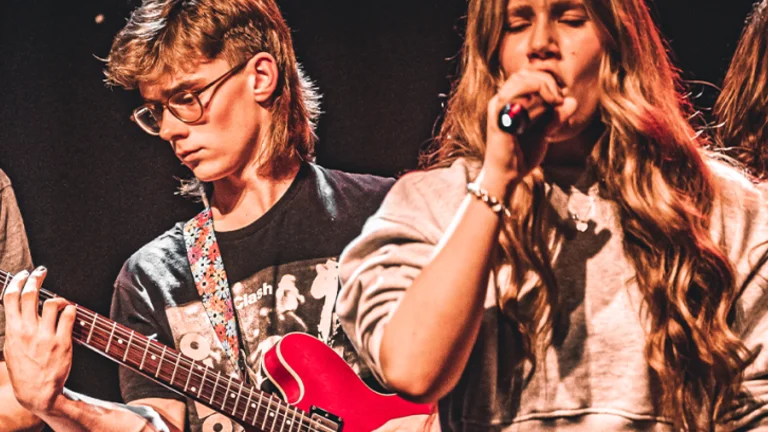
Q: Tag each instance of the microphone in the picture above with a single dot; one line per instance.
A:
(514, 119)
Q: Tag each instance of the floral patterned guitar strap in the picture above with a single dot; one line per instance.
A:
(211, 281)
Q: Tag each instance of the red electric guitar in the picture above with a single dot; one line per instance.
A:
(323, 393)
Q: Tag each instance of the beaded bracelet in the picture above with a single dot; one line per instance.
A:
(488, 199)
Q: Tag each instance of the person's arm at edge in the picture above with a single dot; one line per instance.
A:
(76, 412)
(13, 417)
(14, 257)
(156, 414)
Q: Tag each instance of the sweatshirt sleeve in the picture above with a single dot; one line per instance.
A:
(14, 247)
(396, 243)
(741, 223)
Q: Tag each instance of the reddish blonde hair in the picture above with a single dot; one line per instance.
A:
(742, 107)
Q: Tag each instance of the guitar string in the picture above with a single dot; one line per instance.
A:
(283, 409)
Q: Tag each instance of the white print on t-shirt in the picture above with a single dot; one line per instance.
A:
(217, 423)
(242, 301)
(326, 284)
(288, 300)
(288, 296)
(263, 347)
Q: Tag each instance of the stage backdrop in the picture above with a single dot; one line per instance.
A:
(93, 187)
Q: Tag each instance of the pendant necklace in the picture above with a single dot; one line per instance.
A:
(581, 219)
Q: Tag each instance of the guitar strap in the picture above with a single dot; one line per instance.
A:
(210, 277)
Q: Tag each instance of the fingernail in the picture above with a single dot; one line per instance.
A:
(41, 269)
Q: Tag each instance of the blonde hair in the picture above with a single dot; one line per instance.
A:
(742, 107)
(168, 36)
(651, 166)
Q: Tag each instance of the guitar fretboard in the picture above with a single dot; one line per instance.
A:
(225, 394)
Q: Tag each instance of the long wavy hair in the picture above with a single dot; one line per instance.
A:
(652, 166)
(742, 105)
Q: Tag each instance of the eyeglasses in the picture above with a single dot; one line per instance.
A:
(185, 105)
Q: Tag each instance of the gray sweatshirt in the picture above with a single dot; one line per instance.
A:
(593, 377)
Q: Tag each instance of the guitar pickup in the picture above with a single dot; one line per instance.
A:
(327, 421)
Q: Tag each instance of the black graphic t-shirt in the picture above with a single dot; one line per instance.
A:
(283, 274)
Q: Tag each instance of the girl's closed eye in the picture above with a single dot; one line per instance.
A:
(516, 26)
(574, 20)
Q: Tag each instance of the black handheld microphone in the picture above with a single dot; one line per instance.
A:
(514, 119)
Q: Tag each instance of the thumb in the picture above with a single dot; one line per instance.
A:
(565, 110)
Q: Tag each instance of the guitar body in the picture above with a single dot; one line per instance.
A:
(311, 375)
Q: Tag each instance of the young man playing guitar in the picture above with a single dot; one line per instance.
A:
(222, 86)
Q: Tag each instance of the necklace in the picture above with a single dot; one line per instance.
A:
(581, 219)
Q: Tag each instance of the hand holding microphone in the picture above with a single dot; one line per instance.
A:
(539, 110)
(515, 119)
(533, 102)
(529, 107)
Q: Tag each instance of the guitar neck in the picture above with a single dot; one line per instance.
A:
(225, 394)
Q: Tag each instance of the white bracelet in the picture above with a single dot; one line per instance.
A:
(490, 200)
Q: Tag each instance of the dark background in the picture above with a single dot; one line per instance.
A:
(93, 187)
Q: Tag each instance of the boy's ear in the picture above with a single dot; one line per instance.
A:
(263, 76)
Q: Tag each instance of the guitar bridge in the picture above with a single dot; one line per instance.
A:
(327, 421)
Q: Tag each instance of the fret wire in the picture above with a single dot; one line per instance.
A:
(226, 394)
(301, 421)
(248, 404)
(258, 408)
(212, 387)
(189, 375)
(144, 357)
(266, 415)
(93, 325)
(285, 418)
(293, 420)
(111, 335)
(282, 426)
(273, 409)
(213, 390)
(239, 392)
(160, 363)
(128, 346)
(173, 375)
(274, 416)
(296, 413)
(202, 381)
